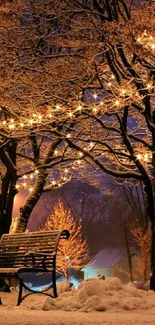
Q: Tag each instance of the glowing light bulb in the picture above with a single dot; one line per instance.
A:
(36, 171)
(68, 135)
(95, 95)
(146, 157)
(25, 176)
(57, 107)
(80, 154)
(53, 182)
(31, 121)
(139, 156)
(95, 110)
(11, 126)
(21, 125)
(123, 92)
(117, 102)
(56, 152)
(79, 107)
(70, 114)
(30, 189)
(17, 186)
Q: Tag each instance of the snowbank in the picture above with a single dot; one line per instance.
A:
(99, 295)
(123, 305)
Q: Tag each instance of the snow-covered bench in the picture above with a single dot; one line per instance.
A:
(30, 252)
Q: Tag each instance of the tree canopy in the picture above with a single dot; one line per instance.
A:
(77, 84)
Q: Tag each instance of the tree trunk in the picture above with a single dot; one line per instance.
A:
(31, 202)
(152, 279)
(128, 252)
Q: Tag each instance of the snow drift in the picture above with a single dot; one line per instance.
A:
(98, 295)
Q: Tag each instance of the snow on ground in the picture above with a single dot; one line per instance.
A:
(95, 302)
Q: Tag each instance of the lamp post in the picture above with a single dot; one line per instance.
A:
(68, 262)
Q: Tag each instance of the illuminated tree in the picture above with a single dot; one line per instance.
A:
(46, 63)
(73, 253)
(39, 88)
(142, 239)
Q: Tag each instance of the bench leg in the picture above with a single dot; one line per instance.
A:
(20, 292)
(54, 285)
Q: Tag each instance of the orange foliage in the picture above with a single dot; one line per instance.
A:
(142, 239)
(73, 253)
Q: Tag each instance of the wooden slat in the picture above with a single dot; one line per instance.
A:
(14, 248)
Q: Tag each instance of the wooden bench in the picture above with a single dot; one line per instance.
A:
(30, 252)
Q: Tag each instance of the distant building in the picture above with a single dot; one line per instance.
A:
(104, 264)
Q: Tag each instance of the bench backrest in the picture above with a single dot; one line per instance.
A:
(16, 249)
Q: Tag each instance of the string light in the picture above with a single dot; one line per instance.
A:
(139, 156)
(79, 107)
(95, 110)
(11, 126)
(70, 114)
(149, 86)
(95, 96)
(146, 157)
(56, 152)
(40, 117)
(31, 121)
(117, 102)
(123, 92)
